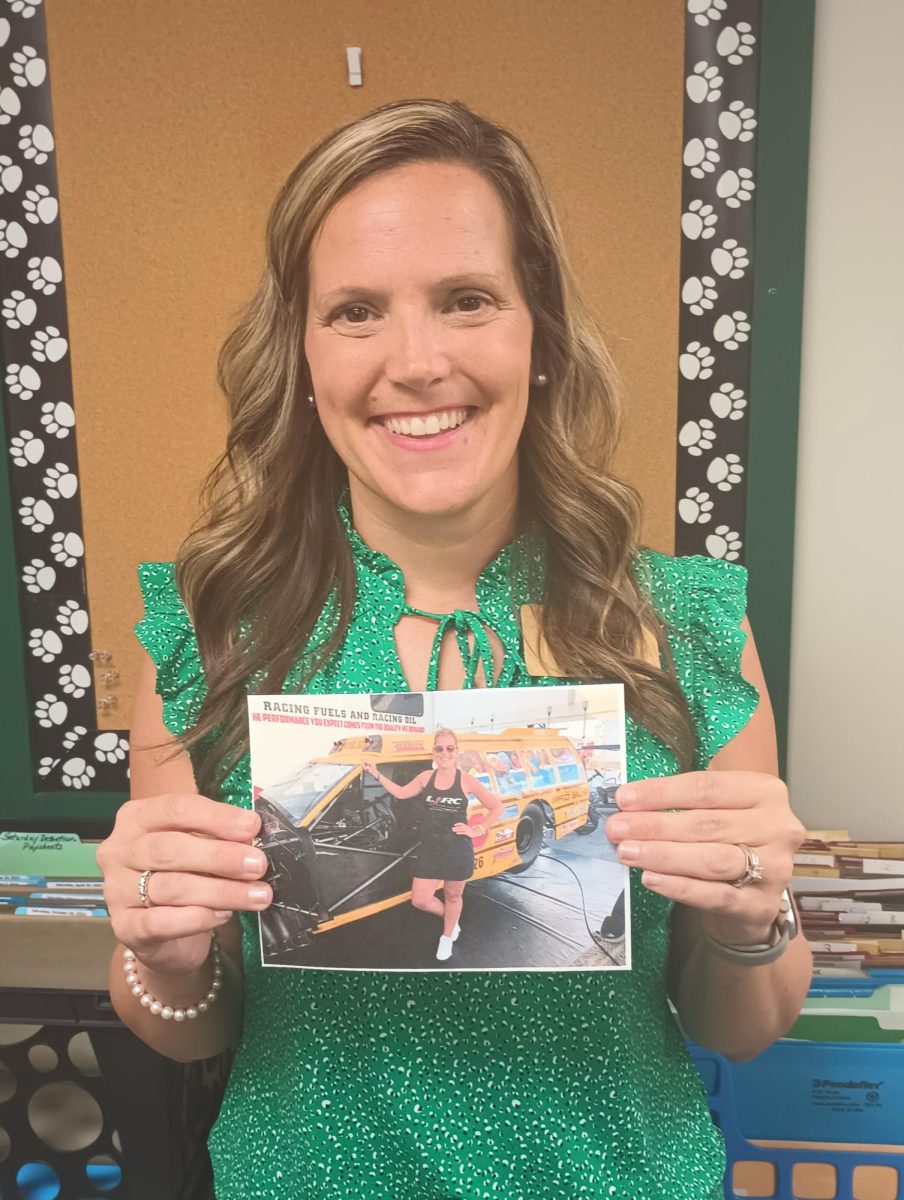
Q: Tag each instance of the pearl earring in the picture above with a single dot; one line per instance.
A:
(539, 381)
(311, 402)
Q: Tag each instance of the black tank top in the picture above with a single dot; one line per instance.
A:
(445, 806)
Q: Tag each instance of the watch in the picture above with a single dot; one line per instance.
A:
(785, 927)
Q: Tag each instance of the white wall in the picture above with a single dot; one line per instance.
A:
(846, 738)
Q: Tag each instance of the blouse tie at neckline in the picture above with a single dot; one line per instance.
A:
(464, 622)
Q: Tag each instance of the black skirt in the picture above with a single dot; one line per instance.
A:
(444, 855)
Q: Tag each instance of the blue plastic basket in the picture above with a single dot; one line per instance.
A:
(809, 1092)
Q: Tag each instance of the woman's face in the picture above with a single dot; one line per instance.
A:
(418, 340)
(445, 751)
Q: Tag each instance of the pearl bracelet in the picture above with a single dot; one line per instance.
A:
(167, 1011)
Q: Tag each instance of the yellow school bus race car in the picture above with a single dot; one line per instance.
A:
(341, 848)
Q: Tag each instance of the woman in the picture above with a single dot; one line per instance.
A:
(422, 423)
(446, 854)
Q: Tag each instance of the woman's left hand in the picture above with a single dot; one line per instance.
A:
(471, 831)
(693, 855)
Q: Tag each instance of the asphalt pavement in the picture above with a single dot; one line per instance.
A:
(536, 918)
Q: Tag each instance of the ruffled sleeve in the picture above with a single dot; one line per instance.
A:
(166, 632)
(722, 701)
(703, 601)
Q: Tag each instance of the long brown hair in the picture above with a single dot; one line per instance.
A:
(270, 552)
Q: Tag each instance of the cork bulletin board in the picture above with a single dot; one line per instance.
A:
(172, 147)
(141, 147)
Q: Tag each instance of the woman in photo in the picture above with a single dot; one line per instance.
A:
(423, 417)
(445, 857)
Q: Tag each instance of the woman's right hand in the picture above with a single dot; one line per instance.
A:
(204, 869)
(371, 768)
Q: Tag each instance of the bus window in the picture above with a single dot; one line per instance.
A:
(541, 772)
(344, 812)
(404, 772)
(472, 762)
(511, 778)
(302, 792)
(567, 762)
(400, 818)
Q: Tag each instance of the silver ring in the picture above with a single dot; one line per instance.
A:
(143, 880)
(753, 868)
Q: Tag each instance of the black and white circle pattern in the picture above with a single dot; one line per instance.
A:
(717, 225)
(69, 752)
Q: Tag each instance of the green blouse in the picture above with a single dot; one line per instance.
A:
(504, 1086)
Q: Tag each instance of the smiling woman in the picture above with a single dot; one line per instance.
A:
(417, 250)
(419, 459)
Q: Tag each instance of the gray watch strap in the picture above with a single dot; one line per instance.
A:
(750, 956)
(785, 927)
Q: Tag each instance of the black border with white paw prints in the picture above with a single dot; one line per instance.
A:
(717, 226)
(68, 751)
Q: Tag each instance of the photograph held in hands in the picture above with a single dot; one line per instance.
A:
(442, 831)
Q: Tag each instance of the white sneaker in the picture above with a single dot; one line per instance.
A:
(444, 949)
(455, 932)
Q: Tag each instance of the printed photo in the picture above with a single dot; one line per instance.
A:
(442, 831)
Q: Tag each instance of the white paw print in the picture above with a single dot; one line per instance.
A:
(74, 681)
(110, 747)
(695, 507)
(699, 293)
(725, 472)
(36, 143)
(38, 577)
(72, 618)
(699, 221)
(76, 773)
(18, 310)
(45, 644)
(705, 83)
(67, 548)
(73, 736)
(737, 122)
(28, 67)
(35, 514)
(704, 11)
(729, 401)
(736, 187)
(10, 105)
(22, 381)
(48, 345)
(10, 175)
(26, 449)
(39, 206)
(44, 274)
(46, 765)
(57, 418)
(25, 8)
(697, 436)
(723, 543)
(732, 330)
(736, 42)
(696, 361)
(13, 238)
(61, 483)
(5, 30)
(701, 155)
(50, 710)
(730, 259)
